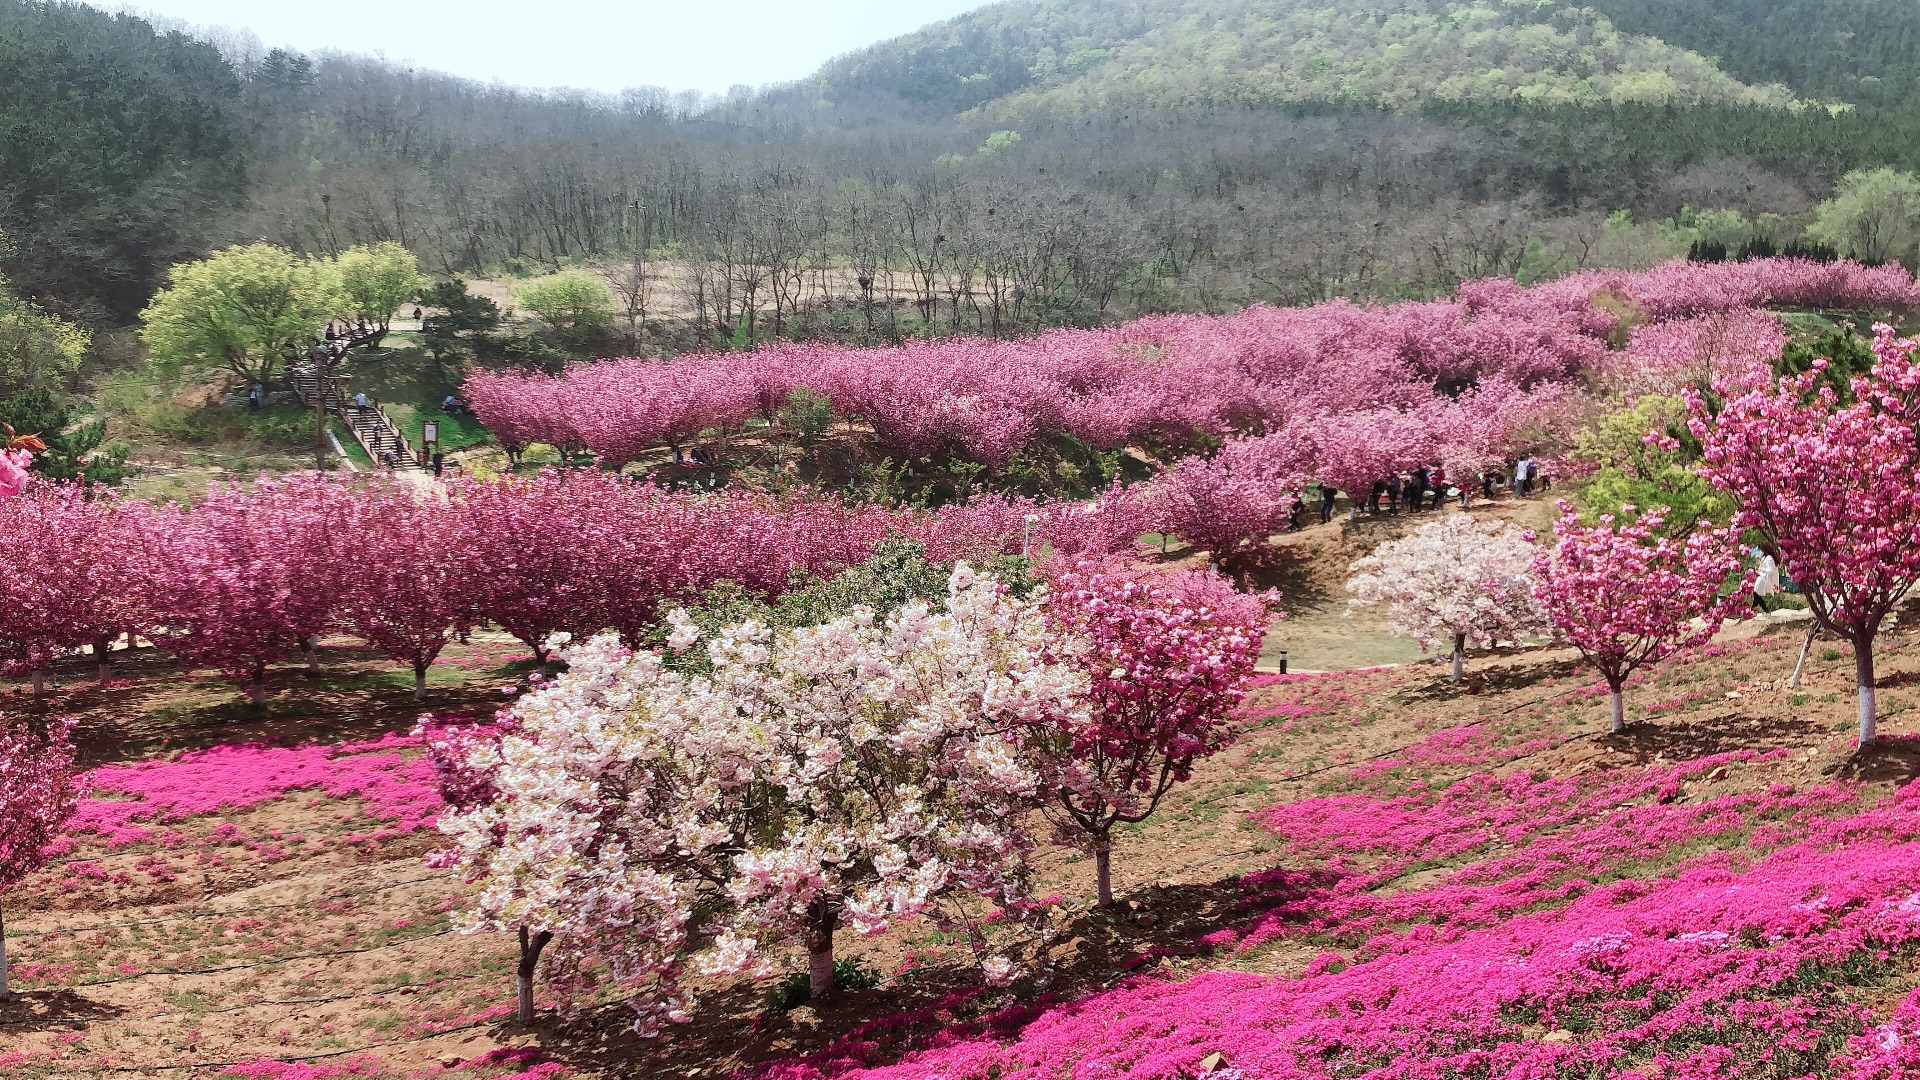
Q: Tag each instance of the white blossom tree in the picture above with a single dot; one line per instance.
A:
(1455, 581)
(860, 771)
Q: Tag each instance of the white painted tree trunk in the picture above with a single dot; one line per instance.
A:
(1800, 664)
(1863, 669)
(820, 950)
(1459, 656)
(1619, 702)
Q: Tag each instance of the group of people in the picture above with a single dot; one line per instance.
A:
(1428, 486)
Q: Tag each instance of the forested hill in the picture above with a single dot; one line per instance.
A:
(1076, 55)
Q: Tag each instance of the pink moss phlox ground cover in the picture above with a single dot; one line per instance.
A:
(1626, 924)
(396, 787)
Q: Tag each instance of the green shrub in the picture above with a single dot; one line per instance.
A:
(793, 991)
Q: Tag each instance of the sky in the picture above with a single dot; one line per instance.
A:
(607, 45)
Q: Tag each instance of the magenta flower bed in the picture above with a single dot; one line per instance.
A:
(1632, 924)
(396, 787)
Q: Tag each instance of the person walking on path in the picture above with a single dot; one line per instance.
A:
(1327, 494)
(1394, 487)
(1417, 489)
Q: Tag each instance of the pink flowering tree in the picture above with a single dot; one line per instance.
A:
(1167, 656)
(416, 582)
(1456, 581)
(252, 574)
(74, 574)
(1628, 597)
(37, 795)
(1230, 503)
(1833, 488)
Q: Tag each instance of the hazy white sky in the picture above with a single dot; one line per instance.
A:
(706, 45)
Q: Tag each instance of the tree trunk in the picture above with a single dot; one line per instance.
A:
(1800, 664)
(102, 657)
(822, 920)
(312, 648)
(1459, 656)
(6, 991)
(1103, 870)
(419, 682)
(1863, 670)
(257, 683)
(39, 683)
(1619, 702)
(530, 946)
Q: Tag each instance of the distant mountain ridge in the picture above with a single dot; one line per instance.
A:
(1074, 55)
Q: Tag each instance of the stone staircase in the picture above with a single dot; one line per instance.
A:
(372, 428)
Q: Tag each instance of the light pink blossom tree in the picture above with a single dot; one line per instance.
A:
(1833, 488)
(1459, 581)
(1627, 597)
(1167, 656)
(37, 795)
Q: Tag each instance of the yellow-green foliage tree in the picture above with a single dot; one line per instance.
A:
(37, 350)
(1633, 470)
(1874, 215)
(244, 308)
(377, 279)
(576, 305)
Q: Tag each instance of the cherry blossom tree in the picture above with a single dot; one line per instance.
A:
(73, 571)
(1833, 489)
(857, 771)
(465, 757)
(254, 573)
(37, 795)
(1166, 656)
(1628, 597)
(416, 581)
(1230, 503)
(1457, 581)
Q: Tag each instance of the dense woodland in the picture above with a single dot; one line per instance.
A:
(982, 175)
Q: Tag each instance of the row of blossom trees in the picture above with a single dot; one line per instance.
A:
(1623, 594)
(1830, 484)
(640, 819)
(252, 575)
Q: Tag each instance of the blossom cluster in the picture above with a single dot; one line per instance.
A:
(1455, 582)
(1830, 486)
(1159, 378)
(648, 823)
(860, 770)
(1628, 597)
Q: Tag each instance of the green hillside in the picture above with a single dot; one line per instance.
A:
(1076, 55)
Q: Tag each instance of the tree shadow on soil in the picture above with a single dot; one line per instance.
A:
(734, 1032)
(28, 1011)
(1687, 740)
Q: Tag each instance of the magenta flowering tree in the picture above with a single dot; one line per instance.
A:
(1230, 503)
(1627, 597)
(252, 574)
(416, 581)
(37, 796)
(1167, 657)
(1833, 488)
(74, 573)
